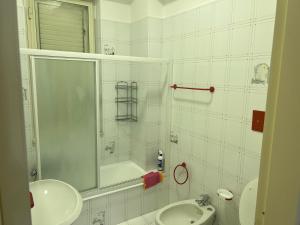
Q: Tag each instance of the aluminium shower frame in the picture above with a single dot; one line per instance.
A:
(98, 102)
(97, 58)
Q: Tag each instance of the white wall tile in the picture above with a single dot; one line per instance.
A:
(177, 26)
(83, 219)
(238, 71)
(202, 73)
(217, 102)
(232, 161)
(233, 132)
(204, 46)
(243, 10)
(223, 13)
(235, 104)
(189, 50)
(253, 140)
(221, 43)
(266, 8)
(190, 21)
(98, 207)
(150, 201)
(251, 167)
(133, 203)
(219, 72)
(108, 30)
(214, 128)
(204, 18)
(117, 208)
(263, 37)
(241, 40)
(213, 156)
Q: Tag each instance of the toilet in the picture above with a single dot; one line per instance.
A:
(248, 203)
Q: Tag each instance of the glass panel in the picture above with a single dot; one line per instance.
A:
(66, 104)
(134, 98)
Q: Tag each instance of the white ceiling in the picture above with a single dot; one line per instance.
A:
(130, 1)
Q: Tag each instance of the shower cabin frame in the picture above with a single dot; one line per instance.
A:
(99, 107)
(33, 54)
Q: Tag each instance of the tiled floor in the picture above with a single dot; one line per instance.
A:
(147, 219)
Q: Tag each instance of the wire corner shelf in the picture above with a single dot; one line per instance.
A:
(126, 101)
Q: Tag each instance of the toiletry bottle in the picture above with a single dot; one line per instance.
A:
(160, 161)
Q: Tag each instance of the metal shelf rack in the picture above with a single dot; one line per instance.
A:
(126, 101)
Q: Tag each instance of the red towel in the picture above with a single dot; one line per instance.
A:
(151, 179)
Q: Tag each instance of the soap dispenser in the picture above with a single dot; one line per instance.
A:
(160, 161)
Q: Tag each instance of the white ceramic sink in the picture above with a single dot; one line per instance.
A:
(185, 213)
(55, 203)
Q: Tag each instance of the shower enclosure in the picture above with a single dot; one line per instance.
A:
(96, 119)
(66, 99)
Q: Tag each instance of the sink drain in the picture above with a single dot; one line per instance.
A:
(192, 221)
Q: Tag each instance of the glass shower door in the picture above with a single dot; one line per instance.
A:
(66, 109)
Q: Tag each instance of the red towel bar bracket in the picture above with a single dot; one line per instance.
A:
(211, 89)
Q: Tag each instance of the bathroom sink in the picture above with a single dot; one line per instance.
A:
(185, 213)
(55, 203)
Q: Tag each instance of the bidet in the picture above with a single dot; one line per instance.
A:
(185, 213)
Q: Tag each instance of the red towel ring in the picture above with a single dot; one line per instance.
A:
(183, 165)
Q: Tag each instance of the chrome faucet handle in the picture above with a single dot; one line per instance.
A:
(34, 174)
(110, 147)
(204, 197)
(203, 200)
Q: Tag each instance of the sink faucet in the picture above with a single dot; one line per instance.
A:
(203, 200)
(34, 174)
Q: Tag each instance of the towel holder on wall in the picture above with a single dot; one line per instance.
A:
(182, 165)
(210, 89)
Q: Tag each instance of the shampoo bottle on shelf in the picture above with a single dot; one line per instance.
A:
(160, 161)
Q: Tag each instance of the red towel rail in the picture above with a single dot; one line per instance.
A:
(210, 89)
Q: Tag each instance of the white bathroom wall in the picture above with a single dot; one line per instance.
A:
(115, 11)
(117, 132)
(114, 26)
(146, 28)
(180, 6)
(146, 41)
(115, 33)
(147, 136)
(218, 44)
(140, 141)
(139, 38)
(134, 141)
(146, 8)
(146, 37)
(123, 206)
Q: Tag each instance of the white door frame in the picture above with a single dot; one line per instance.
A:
(14, 197)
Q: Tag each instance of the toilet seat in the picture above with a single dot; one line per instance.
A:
(248, 203)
